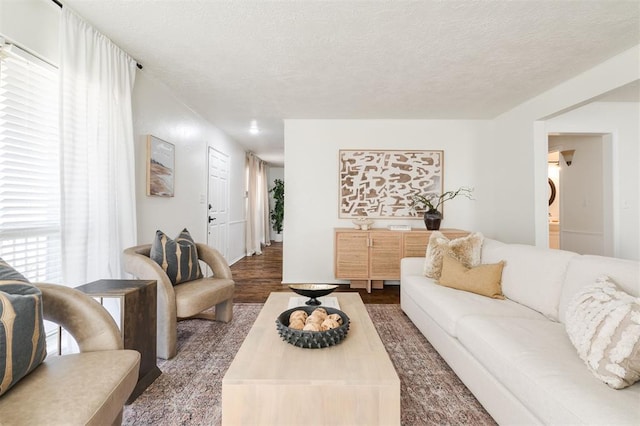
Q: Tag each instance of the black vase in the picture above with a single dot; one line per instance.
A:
(432, 219)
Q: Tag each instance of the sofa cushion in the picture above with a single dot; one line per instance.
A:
(447, 305)
(535, 360)
(603, 323)
(482, 279)
(178, 258)
(466, 250)
(532, 276)
(77, 389)
(22, 337)
(584, 270)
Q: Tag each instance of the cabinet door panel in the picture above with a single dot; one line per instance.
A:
(415, 243)
(385, 253)
(352, 255)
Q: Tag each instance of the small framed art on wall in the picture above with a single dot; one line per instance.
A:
(160, 167)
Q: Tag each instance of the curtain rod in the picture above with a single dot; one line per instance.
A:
(138, 64)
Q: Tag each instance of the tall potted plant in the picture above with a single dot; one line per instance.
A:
(430, 204)
(277, 212)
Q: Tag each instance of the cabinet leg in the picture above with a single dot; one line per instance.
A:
(358, 283)
(367, 284)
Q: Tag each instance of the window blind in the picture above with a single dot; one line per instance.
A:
(29, 165)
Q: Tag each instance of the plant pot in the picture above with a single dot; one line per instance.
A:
(277, 237)
(432, 220)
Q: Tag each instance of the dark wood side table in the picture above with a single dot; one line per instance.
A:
(138, 317)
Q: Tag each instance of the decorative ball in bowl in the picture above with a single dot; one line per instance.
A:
(313, 291)
(313, 328)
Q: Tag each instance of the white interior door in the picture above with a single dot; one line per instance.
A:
(218, 202)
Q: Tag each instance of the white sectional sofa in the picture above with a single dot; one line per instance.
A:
(514, 354)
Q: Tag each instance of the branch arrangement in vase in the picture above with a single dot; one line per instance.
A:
(431, 202)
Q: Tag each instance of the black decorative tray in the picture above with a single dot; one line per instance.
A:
(312, 339)
(313, 291)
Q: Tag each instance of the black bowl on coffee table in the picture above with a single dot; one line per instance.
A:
(313, 291)
(312, 339)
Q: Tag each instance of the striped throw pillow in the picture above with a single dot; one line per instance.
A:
(603, 323)
(178, 258)
(22, 337)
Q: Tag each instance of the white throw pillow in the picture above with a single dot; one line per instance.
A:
(603, 323)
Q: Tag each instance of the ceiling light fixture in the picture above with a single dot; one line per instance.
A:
(254, 128)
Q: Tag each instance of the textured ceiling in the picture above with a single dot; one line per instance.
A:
(234, 61)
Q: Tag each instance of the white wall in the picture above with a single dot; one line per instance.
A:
(33, 24)
(515, 154)
(311, 180)
(273, 174)
(156, 111)
(622, 121)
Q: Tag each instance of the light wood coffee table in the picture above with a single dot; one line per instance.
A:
(271, 382)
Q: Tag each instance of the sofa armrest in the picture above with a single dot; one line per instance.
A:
(215, 260)
(411, 266)
(85, 319)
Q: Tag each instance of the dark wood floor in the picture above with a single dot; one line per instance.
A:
(257, 276)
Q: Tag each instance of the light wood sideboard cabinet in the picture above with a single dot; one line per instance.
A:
(367, 258)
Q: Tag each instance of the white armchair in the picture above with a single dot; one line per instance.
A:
(184, 300)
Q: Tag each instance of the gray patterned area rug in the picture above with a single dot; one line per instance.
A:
(189, 390)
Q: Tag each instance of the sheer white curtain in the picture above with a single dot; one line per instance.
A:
(257, 229)
(266, 218)
(97, 157)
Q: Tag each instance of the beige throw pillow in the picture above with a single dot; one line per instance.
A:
(485, 280)
(603, 323)
(466, 250)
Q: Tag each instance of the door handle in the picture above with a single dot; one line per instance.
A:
(211, 219)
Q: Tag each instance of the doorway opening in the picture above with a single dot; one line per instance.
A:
(553, 180)
(580, 215)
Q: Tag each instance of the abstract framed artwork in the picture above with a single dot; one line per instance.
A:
(160, 167)
(382, 183)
